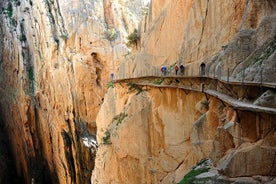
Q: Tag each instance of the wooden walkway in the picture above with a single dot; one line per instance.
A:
(232, 82)
(235, 103)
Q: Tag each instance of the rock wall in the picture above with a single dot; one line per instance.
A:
(55, 61)
(229, 36)
(157, 135)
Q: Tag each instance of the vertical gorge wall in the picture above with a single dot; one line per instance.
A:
(55, 60)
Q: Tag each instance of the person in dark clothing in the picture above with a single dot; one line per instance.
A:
(165, 70)
(176, 69)
(112, 76)
(162, 70)
(182, 69)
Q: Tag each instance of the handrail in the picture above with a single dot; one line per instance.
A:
(245, 83)
(216, 75)
(235, 103)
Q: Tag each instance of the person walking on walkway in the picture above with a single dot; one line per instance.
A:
(165, 70)
(182, 69)
(112, 76)
(176, 69)
(162, 70)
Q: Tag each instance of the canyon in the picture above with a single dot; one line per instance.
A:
(65, 120)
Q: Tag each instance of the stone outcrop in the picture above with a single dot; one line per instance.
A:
(251, 159)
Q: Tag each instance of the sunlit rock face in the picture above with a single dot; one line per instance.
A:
(159, 134)
(56, 58)
(235, 37)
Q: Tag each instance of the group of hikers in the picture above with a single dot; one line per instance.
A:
(164, 70)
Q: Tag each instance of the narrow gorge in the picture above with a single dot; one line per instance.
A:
(83, 100)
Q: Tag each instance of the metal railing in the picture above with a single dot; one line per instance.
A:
(262, 77)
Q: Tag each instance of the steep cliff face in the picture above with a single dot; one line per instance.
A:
(157, 135)
(55, 61)
(235, 37)
(56, 57)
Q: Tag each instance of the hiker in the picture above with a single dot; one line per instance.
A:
(182, 69)
(165, 70)
(112, 76)
(176, 69)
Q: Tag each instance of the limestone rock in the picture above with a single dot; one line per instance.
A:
(222, 143)
(226, 36)
(251, 159)
(55, 62)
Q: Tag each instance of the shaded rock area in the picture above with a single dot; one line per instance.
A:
(55, 60)
(8, 172)
(267, 99)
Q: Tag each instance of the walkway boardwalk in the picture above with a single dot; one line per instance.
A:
(236, 104)
(232, 82)
(204, 85)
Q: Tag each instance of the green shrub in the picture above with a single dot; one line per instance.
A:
(133, 39)
(201, 167)
(119, 118)
(106, 138)
(190, 177)
(135, 87)
(32, 82)
(110, 84)
(22, 38)
(9, 10)
(158, 81)
(13, 22)
(111, 34)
